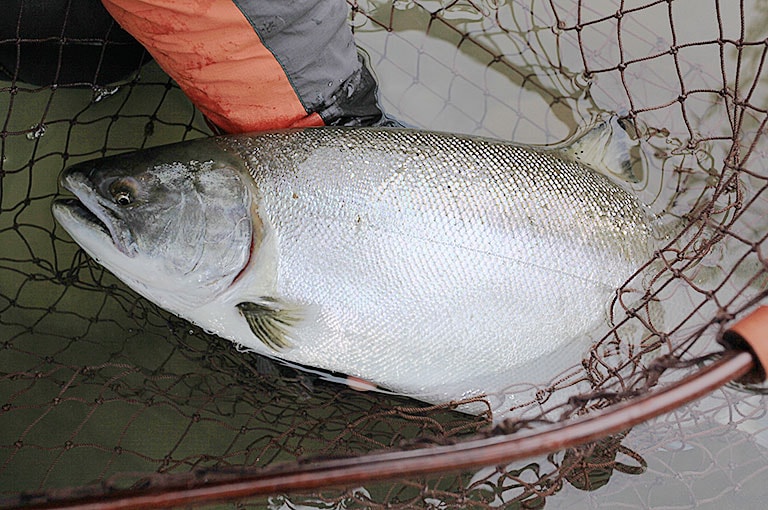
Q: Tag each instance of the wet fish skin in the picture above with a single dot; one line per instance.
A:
(433, 265)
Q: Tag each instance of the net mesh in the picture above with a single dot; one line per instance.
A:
(100, 386)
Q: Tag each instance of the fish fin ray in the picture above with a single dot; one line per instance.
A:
(272, 321)
(605, 149)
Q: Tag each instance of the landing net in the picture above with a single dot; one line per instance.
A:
(100, 390)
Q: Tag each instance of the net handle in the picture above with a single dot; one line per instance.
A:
(751, 334)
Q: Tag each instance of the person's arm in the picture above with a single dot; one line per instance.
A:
(252, 65)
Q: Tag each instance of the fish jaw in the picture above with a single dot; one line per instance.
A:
(97, 241)
(91, 212)
(87, 230)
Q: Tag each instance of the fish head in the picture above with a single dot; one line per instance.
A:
(173, 222)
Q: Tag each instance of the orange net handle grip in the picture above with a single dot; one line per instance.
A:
(751, 334)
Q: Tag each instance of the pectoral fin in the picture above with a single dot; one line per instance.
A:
(272, 321)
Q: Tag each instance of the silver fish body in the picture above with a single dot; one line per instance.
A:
(430, 264)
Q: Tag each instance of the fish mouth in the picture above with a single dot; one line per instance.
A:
(91, 225)
(88, 217)
(81, 214)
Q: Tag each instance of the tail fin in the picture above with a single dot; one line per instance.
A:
(606, 149)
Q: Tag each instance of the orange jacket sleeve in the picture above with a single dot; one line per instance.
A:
(254, 65)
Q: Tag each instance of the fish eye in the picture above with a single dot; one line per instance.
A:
(123, 191)
(123, 198)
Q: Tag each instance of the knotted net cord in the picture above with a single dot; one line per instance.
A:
(98, 385)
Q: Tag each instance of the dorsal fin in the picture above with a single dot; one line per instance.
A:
(272, 321)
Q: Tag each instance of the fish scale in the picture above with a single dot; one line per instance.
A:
(463, 267)
(433, 265)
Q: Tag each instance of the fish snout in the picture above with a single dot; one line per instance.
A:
(76, 177)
